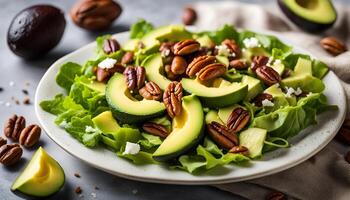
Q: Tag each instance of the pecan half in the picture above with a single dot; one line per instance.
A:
(14, 126)
(127, 58)
(169, 74)
(211, 71)
(239, 149)
(198, 63)
(276, 195)
(222, 135)
(30, 135)
(172, 99)
(333, 46)
(178, 65)
(151, 91)
(140, 77)
(186, 47)
(10, 154)
(110, 46)
(189, 16)
(238, 119)
(3, 141)
(103, 75)
(95, 14)
(155, 129)
(259, 61)
(238, 64)
(134, 77)
(268, 75)
(233, 47)
(261, 97)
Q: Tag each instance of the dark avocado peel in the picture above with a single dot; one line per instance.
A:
(310, 15)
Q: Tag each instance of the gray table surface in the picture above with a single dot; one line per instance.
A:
(18, 71)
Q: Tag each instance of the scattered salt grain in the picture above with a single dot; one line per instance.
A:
(107, 63)
(131, 148)
(267, 103)
(11, 83)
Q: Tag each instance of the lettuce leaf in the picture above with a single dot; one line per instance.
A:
(140, 158)
(140, 28)
(226, 32)
(99, 43)
(149, 141)
(67, 73)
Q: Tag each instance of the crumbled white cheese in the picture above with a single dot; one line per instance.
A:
(131, 148)
(224, 51)
(63, 124)
(309, 94)
(291, 91)
(107, 63)
(93, 195)
(267, 103)
(165, 53)
(251, 42)
(11, 83)
(298, 91)
(7, 104)
(90, 129)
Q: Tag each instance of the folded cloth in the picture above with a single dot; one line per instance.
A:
(326, 175)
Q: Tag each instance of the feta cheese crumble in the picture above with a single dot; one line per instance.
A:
(267, 103)
(165, 53)
(224, 51)
(90, 129)
(251, 42)
(107, 63)
(131, 148)
(291, 91)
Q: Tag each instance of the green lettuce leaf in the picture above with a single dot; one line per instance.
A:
(67, 73)
(226, 32)
(149, 141)
(140, 158)
(99, 43)
(54, 106)
(140, 28)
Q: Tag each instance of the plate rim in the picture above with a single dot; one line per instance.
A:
(182, 182)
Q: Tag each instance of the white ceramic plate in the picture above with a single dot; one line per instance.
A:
(303, 146)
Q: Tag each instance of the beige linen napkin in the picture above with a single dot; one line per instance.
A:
(327, 175)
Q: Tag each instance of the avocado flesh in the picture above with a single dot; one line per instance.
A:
(216, 97)
(212, 116)
(131, 45)
(186, 132)
(42, 177)
(95, 85)
(127, 109)
(254, 87)
(106, 123)
(224, 113)
(302, 77)
(311, 15)
(154, 66)
(253, 139)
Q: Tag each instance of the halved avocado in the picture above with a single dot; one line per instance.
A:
(254, 87)
(302, 77)
(42, 177)
(310, 15)
(216, 97)
(154, 68)
(187, 130)
(126, 108)
(253, 139)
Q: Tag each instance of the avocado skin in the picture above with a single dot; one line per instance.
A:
(302, 23)
(36, 30)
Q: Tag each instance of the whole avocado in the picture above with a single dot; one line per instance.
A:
(36, 30)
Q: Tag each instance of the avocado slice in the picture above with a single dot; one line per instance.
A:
(302, 77)
(254, 87)
(127, 109)
(212, 116)
(154, 68)
(131, 45)
(311, 15)
(205, 41)
(42, 177)
(224, 113)
(216, 97)
(187, 130)
(106, 123)
(253, 139)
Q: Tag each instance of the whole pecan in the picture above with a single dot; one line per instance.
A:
(211, 71)
(110, 46)
(155, 129)
(103, 75)
(140, 77)
(186, 47)
(169, 74)
(166, 49)
(135, 77)
(189, 16)
(172, 99)
(127, 58)
(30, 135)
(10, 154)
(239, 149)
(151, 91)
(259, 61)
(3, 141)
(261, 97)
(238, 119)
(95, 14)
(178, 65)
(238, 64)
(198, 63)
(222, 135)
(333, 46)
(233, 47)
(268, 75)
(14, 126)
(276, 196)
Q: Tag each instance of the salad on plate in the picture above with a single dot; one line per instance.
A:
(189, 100)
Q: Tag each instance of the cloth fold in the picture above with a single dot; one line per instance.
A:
(326, 175)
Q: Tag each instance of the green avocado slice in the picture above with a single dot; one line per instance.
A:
(154, 68)
(127, 109)
(42, 177)
(253, 139)
(187, 130)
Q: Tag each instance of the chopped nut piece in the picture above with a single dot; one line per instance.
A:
(78, 190)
